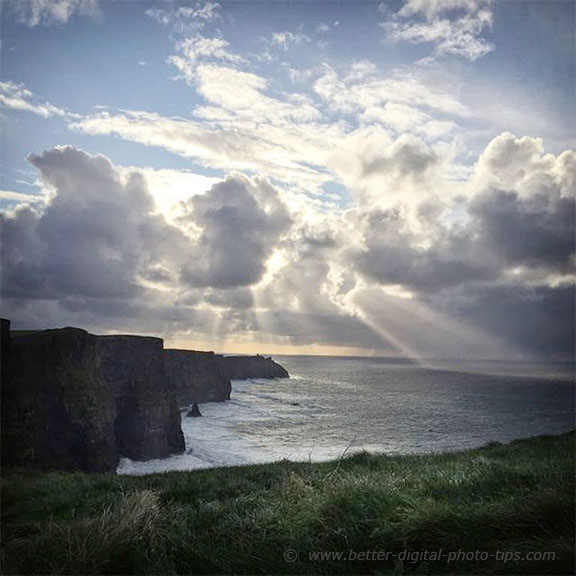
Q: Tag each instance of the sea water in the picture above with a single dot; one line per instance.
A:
(332, 406)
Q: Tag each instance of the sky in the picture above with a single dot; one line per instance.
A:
(334, 177)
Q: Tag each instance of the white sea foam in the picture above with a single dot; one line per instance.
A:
(224, 435)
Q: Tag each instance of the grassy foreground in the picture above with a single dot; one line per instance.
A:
(501, 509)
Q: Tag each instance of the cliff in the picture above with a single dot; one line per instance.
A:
(147, 423)
(196, 377)
(56, 408)
(243, 367)
(75, 401)
(71, 400)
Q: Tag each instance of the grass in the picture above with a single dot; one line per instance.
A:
(489, 509)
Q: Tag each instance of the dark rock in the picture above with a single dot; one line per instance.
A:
(57, 410)
(5, 345)
(196, 377)
(194, 411)
(75, 401)
(147, 423)
(243, 367)
(5, 327)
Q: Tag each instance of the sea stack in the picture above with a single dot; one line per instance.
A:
(194, 411)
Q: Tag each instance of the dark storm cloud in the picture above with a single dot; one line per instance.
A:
(522, 215)
(237, 262)
(240, 222)
(100, 235)
(100, 256)
(95, 236)
(540, 320)
(391, 255)
(536, 232)
(407, 157)
(335, 329)
(237, 298)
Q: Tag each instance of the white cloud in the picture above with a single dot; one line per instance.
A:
(512, 163)
(454, 27)
(207, 11)
(100, 232)
(19, 197)
(53, 12)
(223, 148)
(92, 239)
(516, 223)
(192, 16)
(324, 27)
(241, 128)
(15, 96)
(247, 124)
(243, 93)
(286, 39)
(364, 88)
(193, 51)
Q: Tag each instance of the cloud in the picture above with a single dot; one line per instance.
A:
(94, 237)
(247, 123)
(454, 27)
(324, 28)
(235, 298)
(509, 162)
(171, 188)
(286, 39)
(192, 16)
(216, 145)
(381, 171)
(10, 196)
(242, 127)
(207, 11)
(242, 259)
(364, 88)
(197, 49)
(534, 233)
(15, 96)
(243, 94)
(53, 12)
(515, 226)
(407, 157)
(100, 235)
(525, 210)
(394, 254)
(239, 222)
(538, 319)
(100, 255)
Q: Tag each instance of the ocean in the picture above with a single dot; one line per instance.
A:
(332, 406)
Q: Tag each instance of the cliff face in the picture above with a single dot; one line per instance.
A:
(242, 367)
(147, 423)
(74, 401)
(196, 377)
(56, 408)
(5, 346)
